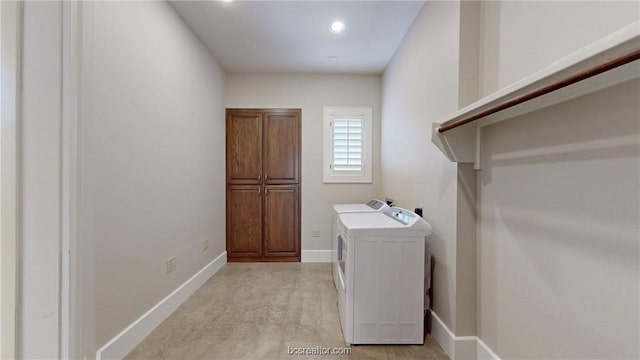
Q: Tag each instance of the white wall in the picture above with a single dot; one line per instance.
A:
(40, 143)
(420, 86)
(311, 93)
(558, 231)
(519, 38)
(151, 161)
(558, 243)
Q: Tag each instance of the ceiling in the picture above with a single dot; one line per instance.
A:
(294, 36)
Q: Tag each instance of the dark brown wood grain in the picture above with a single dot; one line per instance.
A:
(263, 184)
(244, 147)
(244, 217)
(281, 220)
(281, 147)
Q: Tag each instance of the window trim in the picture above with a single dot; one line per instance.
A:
(328, 174)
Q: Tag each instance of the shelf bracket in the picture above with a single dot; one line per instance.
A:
(459, 145)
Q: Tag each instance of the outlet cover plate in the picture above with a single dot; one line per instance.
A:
(171, 264)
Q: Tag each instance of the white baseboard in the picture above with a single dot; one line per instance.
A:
(443, 335)
(484, 352)
(459, 347)
(129, 338)
(316, 256)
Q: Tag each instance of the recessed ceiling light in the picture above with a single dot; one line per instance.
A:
(227, 1)
(337, 27)
(333, 57)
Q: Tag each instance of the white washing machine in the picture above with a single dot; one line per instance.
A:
(382, 260)
(373, 205)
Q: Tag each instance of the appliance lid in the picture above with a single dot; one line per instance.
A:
(393, 222)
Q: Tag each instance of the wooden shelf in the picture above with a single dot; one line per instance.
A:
(461, 143)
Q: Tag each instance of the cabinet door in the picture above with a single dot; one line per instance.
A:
(281, 222)
(244, 147)
(244, 221)
(282, 147)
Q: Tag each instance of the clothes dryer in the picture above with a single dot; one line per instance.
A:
(373, 205)
(382, 259)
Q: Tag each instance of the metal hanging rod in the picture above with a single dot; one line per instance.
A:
(599, 69)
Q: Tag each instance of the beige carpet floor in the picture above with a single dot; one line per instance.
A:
(260, 311)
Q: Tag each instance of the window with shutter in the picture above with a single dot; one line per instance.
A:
(347, 142)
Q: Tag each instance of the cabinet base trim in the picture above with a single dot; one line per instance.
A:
(265, 259)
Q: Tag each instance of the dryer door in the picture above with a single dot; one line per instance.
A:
(342, 253)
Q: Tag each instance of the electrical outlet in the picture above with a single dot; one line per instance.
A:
(390, 201)
(205, 244)
(171, 264)
(315, 233)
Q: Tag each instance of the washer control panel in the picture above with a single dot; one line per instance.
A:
(401, 215)
(375, 204)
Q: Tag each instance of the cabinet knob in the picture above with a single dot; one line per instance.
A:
(259, 176)
(266, 176)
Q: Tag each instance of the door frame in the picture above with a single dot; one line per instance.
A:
(10, 219)
(68, 334)
(71, 337)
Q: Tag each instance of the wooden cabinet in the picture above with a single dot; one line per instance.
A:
(244, 147)
(282, 149)
(263, 184)
(281, 221)
(244, 214)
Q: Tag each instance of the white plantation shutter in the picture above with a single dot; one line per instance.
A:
(347, 144)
